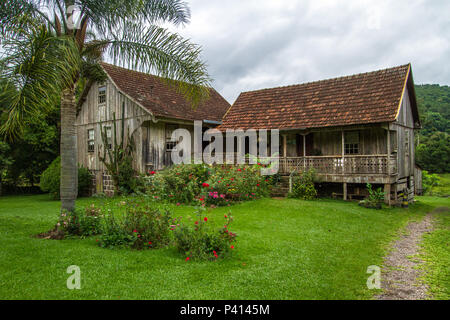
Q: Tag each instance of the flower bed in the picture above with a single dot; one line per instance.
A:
(216, 186)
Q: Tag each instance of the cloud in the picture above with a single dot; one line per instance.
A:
(255, 44)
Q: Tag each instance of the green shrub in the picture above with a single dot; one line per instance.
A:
(51, 178)
(218, 185)
(141, 226)
(199, 241)
(180, 183)
(375, 198)
(303, 186)
(429, 181)
(82, 222)
(235, 183)
(126, 176)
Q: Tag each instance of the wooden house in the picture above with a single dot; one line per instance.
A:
(152, 111)
(352, 130)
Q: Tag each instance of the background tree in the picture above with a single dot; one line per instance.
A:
(433, 141)
(5, 161)
(49, 57)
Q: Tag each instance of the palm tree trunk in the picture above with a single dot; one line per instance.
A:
(69, 162)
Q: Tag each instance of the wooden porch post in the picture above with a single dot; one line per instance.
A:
(343, 155)
(345, 191)
(387, 194)
(285, 152)
(304, 152)
(388, 164)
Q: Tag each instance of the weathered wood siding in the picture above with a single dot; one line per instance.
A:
(96, 117)
(150, 135)
(404, 126)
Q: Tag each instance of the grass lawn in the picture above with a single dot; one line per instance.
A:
(286, 249)
(436, 254)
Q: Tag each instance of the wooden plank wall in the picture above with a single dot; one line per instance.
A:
(93, 116)
(404, 126)
(372, 142)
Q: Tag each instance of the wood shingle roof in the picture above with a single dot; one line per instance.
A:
(161, 99)
(372, 97)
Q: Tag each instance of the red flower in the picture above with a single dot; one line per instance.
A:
(149, 242)
(257, 185)
(134, 230)
(206, 219)
(239, 170)
(201, 199)
(205, 185)
(226, 216)
(187, 259)
(153, 172)
(196, 222)
(232, 247)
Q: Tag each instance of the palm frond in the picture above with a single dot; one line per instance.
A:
(155, 50)
(174, 11)
(19, 15)
(38, 66)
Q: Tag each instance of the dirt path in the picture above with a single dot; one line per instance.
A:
(400, 277)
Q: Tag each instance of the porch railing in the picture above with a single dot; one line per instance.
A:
(355, 164)
(376, 164)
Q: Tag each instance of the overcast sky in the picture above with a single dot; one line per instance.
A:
(255, 44)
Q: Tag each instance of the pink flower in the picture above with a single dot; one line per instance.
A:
(178, 204)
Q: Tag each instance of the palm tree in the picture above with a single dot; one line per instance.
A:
(48, 59)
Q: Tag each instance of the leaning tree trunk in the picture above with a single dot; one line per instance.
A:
(69, 163)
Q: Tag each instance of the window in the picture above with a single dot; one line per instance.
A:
(91, 140)
(102, 94)
(108, 136)
(351, 142)
(170, 145)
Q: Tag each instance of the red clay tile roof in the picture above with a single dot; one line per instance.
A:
(359, 99)
(161, 100)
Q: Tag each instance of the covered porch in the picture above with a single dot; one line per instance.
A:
(347, 152)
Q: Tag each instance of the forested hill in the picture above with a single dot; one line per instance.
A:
(433, 152)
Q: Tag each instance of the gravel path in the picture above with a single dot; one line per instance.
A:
(400, 277)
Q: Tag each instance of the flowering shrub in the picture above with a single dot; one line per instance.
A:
(199, 241)
(218, 185)
(179, 184)
(81, 222)
(231, 183)
(303, 186)
(141, 226)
